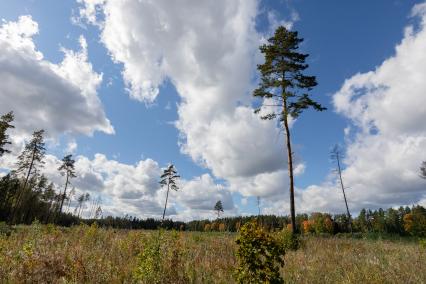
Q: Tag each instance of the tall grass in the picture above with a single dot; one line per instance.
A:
(83, 254)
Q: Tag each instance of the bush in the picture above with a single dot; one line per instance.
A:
(5, 229)
(289, 240)
(259, 255)
(149, 269)
(422, 243)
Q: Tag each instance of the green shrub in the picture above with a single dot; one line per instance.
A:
(422, 243)
(5, 229)
(289, 240)
(149, 269)
(259, 255)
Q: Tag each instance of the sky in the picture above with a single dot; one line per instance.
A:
(130, 86)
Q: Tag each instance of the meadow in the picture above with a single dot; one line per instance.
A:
(88, 254)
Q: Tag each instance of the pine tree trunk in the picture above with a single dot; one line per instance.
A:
(64, 195)
(165, 205)
(22, 191)
(343, 190)
(290, 169)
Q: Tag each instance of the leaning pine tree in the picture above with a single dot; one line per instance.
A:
(336, 155)
(67, 169)
(29, 163)
(169, 178)
(285, 88)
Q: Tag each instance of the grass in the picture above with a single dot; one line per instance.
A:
(82, 254)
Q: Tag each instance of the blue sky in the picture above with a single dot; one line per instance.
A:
(342, 38)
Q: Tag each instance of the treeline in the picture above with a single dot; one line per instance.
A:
(133, 223)
(27, 195)
(404, 221)
(25, 192)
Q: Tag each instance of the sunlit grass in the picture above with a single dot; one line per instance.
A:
(85, 254)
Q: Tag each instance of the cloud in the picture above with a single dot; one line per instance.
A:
(135, 189)
(202, 193)
(386, 144)
(208, 51)
(60, 98)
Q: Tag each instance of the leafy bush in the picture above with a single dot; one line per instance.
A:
(422, 243)
(149, 269)
(289, 240)
(259, 255)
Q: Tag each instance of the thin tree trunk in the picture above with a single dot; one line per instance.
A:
(22, 191)
(343, 190)
(290, 169)
(167, 197)
(64, 195)
(258, 205)
(79, 210)
(49, 212)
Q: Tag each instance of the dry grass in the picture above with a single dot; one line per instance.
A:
(46, 254)
(356, 261)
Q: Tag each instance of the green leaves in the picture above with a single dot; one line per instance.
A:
(67, 166)
(260, 256)
(282, 78)
(5, 121)
(169, 177)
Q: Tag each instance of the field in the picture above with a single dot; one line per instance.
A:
(85, 254)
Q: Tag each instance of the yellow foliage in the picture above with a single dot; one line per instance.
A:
(306, 225)
(328, 225)
(214, 226)
(207, 227)
(237, 226)
(408, 222)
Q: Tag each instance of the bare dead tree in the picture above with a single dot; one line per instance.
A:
(336, 155)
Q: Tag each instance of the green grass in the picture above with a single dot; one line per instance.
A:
(85, 254)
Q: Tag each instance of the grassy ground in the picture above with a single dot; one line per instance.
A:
(47, 254)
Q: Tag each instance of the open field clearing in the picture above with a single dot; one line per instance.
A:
(82, 254)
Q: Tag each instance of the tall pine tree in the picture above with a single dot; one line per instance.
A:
(284, 87)
(169, 178)
(5, 124)
(218, 208)
(67, 169)
(30, 161)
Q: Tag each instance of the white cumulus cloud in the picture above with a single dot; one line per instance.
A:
(60, 98)
(208, 50)
(387, 107)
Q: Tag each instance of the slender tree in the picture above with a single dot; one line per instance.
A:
(218, 207)
(258, 204)
(5, 124)
(67, 169)
(94, 206)
(169, 178)
(98, 212)
(80, 201)
(70, 195)
(30, 161)
(423, 170)
(284, 87)
(49, 197)
(336, 155)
